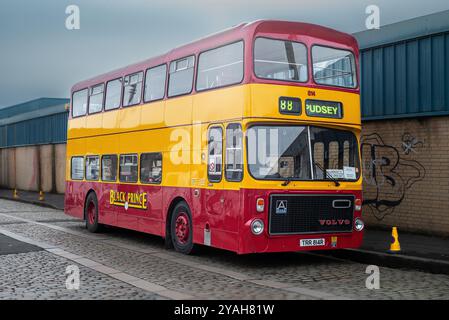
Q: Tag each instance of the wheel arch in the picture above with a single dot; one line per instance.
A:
(169, 214)
(85, 200)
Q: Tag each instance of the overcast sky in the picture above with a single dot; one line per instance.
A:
(39, 57)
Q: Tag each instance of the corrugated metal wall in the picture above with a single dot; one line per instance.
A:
(406, 79)
(43, 130)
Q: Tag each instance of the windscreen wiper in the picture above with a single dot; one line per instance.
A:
(287, 181)
(327, 174)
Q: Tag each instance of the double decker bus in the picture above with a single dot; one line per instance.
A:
(246, 140)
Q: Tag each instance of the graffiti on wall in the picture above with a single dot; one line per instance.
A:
(389, 172)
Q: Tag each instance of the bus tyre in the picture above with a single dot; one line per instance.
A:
(91, 213)
(181, 230)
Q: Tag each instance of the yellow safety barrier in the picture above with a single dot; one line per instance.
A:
(395, 247)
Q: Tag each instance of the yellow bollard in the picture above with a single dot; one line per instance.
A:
(395, 247)
(15, 195)
(41, 196)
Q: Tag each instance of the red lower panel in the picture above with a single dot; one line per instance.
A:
(226, 213)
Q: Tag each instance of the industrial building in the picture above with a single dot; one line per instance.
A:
(405, 142)
(405, 110)
(32, 145)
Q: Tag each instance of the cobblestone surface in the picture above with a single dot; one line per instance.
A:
(210, 274)
(41, 275)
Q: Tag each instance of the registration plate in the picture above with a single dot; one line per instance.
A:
(312, 242)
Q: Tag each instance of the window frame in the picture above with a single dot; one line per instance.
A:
(141, 89)
(116, 167)
(119, 168)
(71, 168)
(165, 82)
(226, 153)
(87, 103)
(85, 164)
(140, 167)
(215, 48)
(103, 101)
(282, 80)
(193, 76)
(356, 87)
(121, 94)
(214, 126)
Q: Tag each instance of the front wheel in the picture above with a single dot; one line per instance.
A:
(91, 214)
(181, 228)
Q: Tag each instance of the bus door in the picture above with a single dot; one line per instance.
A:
(233, 175)
(214, 197)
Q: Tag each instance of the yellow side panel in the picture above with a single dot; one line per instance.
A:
(178, 111)
(76, 127)
(94, 124)
(218, 105)
(129, 118)
(110, 121)
(152, 115)
(75, 147)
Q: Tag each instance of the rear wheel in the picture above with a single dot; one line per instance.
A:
(181, 228)
(91, 213)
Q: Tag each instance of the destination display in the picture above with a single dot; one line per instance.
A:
(324, 109)
(288, 105)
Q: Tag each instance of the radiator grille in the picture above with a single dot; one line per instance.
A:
(300, 214)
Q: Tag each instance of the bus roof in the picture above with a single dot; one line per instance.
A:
(245, 31)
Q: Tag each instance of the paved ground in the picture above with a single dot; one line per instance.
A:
(120, 264)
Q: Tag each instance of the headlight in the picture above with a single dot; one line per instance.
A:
(257, 227)
(359, 224)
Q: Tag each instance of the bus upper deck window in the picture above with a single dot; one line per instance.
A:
(155, 83)
(280, 60)
(96, 98)
(180, 80)
(220, 67)
(334, 67)
(113, 94)
(79, 103)
(132, 89)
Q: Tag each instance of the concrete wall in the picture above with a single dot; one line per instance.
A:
(19, 168)
(406, 174)
(60, 161)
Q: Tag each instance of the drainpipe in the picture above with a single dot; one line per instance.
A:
(53, 168)
(39, 169)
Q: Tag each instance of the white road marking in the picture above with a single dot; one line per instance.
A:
(178, 259)
(98, 267)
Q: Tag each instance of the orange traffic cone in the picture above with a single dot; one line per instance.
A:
(15, 194)
(41, 196)
(395, 247)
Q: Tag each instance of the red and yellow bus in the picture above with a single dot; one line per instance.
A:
(247, 140)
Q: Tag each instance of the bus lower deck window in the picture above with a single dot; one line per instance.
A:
(109, 168)
(92, 167)
(77, 168)
(128, 168)
(151, 168)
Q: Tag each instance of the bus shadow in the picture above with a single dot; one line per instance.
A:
(209, 255)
